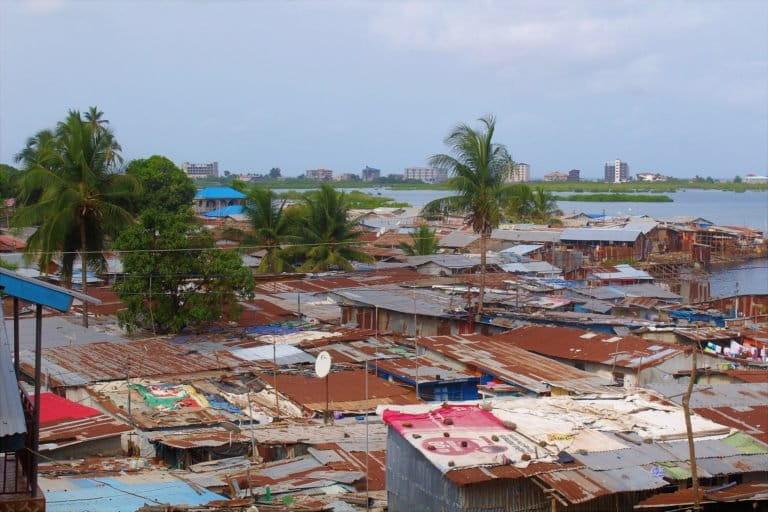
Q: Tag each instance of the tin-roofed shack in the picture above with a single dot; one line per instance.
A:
(556, 453)
(602, 244)
(629, 361)
(499, 363)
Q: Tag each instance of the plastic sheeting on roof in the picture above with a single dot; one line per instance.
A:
(226, 211)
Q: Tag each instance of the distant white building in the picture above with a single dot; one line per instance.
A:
(616, 171)
(425, 174)
(650, 176)
(519, 173)
(198, 171)
(755, 180)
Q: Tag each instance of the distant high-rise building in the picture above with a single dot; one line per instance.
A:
(574, 175)
(519, 173)
(425, 174)
(616, 171)
(319, 174)
(197, 171)
(370, 174)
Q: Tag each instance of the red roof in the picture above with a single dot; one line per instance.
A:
(55, 408)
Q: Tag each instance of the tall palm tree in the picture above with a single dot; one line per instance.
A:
(424, 242)
(478, 167)
(543, 205)
(69, 191)
(270, 228)
(329, 239)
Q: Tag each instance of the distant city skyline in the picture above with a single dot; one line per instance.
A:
(675, 87)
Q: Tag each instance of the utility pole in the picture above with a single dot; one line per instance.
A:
(689, 432)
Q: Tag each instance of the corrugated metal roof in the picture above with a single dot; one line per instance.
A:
(599, 235)
(123, 493)
(422, 302)
(283, 354)
(97, 362)
(513, 235)
(510, 364)
(458, 239)
(12, 424)
(752, 491)
(624, 272)
(531, 267)
(522, 249)
(579, 345)
(631, 290)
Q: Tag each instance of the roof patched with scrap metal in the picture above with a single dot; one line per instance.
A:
(79, 365)
(513, 365)
(577, 345)
(523, 235)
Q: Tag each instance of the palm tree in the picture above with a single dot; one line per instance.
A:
(329, 240)
(424, 240)
(95, 118)
(478, 167)
(544, 206)
(69, 191)
(270, 228)
(519, 203)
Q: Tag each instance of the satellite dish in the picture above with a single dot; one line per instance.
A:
(229, 426)
(323, 364)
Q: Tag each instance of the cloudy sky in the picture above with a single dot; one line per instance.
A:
(675, 87)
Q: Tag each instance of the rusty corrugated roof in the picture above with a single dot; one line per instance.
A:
(512, 364)
(578, 345)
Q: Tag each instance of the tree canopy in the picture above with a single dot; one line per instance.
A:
(183, 280)
(328, 239)
(70, 191)
(165, 186)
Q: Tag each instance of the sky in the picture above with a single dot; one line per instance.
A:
(676, 87)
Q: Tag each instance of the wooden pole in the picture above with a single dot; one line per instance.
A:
(38, 378)
(689, 433)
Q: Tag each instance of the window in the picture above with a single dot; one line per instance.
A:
(618, 378)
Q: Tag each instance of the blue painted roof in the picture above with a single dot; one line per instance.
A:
(219, 193)
(124, 493)
(226, 211)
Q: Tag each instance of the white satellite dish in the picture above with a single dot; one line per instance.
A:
(322, 364)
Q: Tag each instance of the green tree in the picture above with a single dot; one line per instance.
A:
(275, 173)
(271, 226)
(165, 186)
(176, 277)
(69, 190)
(737, 179)
(478, 167)
(239, 185)
(544, 206)
(518, 204)
(328, 239)
(424, 242)
(9, 177)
